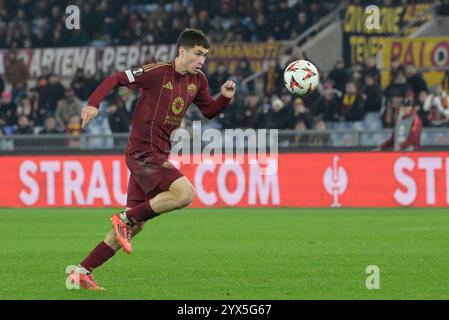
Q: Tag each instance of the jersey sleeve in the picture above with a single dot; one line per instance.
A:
(414, 135)
(388, 143)
(137, 77)
(208, 106)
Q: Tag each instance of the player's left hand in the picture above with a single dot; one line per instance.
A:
(228, 89)
(87, 114)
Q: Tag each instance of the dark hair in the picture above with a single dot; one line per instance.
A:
(190, 38)
(408, 102)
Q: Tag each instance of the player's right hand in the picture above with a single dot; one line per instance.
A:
(87, 114)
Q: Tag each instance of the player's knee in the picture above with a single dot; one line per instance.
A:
(187, 196)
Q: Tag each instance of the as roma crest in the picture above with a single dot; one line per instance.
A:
(191, 89)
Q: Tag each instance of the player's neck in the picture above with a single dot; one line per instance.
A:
(179, 67)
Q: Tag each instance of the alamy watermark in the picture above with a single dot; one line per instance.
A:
(73, 280)
(249, 146)
(372, 21)
(373, 280)
(73, 20)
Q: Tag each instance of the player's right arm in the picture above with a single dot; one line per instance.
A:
(138, 77)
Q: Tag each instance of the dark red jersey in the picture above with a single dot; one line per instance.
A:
(406, 133)
(164, 98)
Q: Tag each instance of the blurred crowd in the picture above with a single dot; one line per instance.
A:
(32, 24)
(349, 97)
(349, 94)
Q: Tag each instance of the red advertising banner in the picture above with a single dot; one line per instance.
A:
(302, 180)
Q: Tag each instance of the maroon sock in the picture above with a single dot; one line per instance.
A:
(98, 256)
(141, 213)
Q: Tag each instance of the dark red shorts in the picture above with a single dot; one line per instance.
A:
(150, 174)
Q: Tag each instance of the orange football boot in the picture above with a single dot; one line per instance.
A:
(85, 280)
(123, 233)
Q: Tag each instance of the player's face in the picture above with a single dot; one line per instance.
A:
(194, 59)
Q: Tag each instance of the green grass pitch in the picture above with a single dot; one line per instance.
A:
(232, 254)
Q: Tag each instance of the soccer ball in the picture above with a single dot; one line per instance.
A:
(301, 77)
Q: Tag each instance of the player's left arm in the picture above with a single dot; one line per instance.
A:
(414, 134)
(210, 107)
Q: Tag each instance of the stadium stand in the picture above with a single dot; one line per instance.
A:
(351, 106)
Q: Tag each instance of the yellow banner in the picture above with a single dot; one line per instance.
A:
(361, 40)
(356, 16)
(231, 54)
(428, 54)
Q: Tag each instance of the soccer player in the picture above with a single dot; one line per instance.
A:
(155, 185)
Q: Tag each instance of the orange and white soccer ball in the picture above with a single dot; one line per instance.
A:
(301, 77)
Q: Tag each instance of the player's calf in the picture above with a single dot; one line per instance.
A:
(186, 196)
(181, 193)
